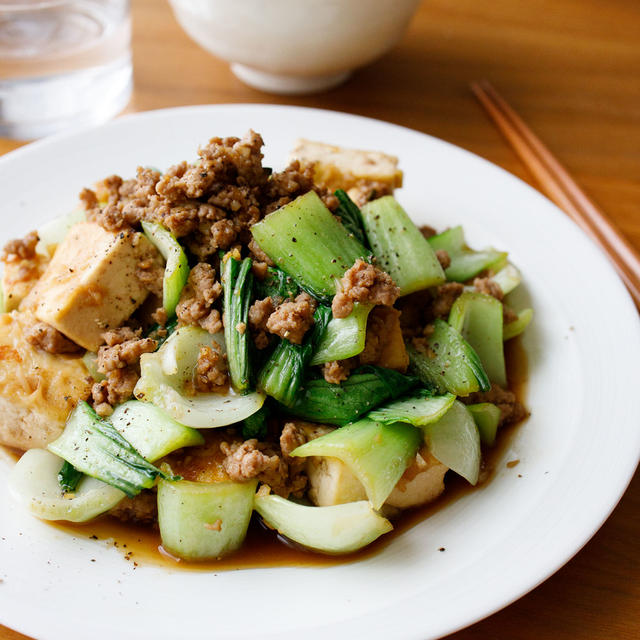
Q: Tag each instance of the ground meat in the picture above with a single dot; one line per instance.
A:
(210, 204)
(150, 273)
(443, 258)
(428, 231)
(291, 438)
(253, 459)
(88, 199)
(213, 322)
(120, 335)
(143, 509)
(21, 248)
(290, 183)
(291, 320)
(223, 234)
(108, 190)
(259, 270)
(250, 460)
(488, 286)
(114, 389)
(511, 410)
(259, 313)
(199, 294)
(508, 314)
(222, 160)
(446, 294)
(363, 282)
(259, 254)
(339, 370)
(124, 354)
(210, 374)
(160, 316)
(44, 336)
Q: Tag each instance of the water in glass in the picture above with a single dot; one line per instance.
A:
(63, 63)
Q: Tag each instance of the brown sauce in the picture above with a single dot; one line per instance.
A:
(264, 547)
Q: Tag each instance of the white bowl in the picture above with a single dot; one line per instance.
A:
(295, 46)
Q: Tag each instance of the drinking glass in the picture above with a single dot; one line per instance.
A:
(63, 63)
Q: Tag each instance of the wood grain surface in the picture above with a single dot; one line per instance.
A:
(572, 70)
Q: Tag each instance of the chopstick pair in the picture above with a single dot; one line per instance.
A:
(560, 187)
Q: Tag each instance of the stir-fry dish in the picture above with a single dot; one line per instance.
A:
(191, 347)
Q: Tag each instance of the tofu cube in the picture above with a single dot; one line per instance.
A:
(339, 168)
(90, 285)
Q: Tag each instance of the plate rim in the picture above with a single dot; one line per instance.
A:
(615, 494)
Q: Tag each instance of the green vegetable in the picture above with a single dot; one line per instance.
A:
(377, 454)
(337, 529)
(344, 337)
(34, 483)
(452, 365)
(277, 284)
(176, 271)
(401, 250)
(455, 442)
(507, 278)
(255, 425)
(487, 417)
(515, 328)
(237, 281)
(151, 431)
(307, 242)
(165, 373)
(90, 360)
(282, 374)
(35, 478)
(69, 477)
(96, 448)
(465, 263)
(418, 409)
(351, 217)
(363, 390)
(478, 318)
(200, 520)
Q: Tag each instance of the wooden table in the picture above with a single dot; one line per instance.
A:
(572, 69)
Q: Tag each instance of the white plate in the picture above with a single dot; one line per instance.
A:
(577, 451)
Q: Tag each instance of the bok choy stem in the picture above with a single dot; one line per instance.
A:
(95, 447)
(351, 217)
(305, 240)
(282, 374)
(237, 282)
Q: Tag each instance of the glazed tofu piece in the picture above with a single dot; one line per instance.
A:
(331, 482)
(385, 345)
(90, 285)
(38, 390)
(422, 482)
(339, 168)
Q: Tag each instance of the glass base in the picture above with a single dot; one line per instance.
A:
(37, 107)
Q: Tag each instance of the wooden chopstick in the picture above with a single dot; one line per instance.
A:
(560, 187)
